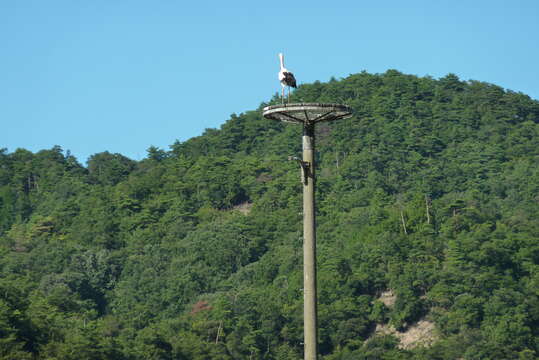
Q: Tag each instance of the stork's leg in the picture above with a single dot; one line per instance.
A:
(282, 95)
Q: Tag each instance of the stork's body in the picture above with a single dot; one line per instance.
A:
(286, 78)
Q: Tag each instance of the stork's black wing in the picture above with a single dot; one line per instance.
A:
(289, 79)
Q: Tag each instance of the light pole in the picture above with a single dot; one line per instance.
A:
(308, 114)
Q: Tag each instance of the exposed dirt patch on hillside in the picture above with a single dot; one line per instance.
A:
(422, 333)
(244, 208)
(388, 298)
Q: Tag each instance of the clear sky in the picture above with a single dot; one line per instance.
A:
(120, 76)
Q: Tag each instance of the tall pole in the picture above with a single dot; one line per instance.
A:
(309, 245)
(308, 114)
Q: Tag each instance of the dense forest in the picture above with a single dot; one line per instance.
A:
(428, 213)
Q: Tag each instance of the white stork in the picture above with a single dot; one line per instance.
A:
(286, 78)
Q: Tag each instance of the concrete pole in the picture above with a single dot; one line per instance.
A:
(309, 246)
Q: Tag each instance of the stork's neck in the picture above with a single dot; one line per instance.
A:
(281, 58)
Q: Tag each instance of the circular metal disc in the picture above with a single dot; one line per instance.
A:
(301, 113)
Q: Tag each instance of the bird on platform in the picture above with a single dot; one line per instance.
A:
(286, 78)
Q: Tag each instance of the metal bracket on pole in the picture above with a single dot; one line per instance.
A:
(305, 166)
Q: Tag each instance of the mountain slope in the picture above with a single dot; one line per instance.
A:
(429, 191)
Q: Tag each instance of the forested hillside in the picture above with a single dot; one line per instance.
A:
(430, 194)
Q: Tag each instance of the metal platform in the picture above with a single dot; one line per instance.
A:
(306, 113)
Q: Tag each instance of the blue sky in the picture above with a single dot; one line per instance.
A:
(120, 76)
